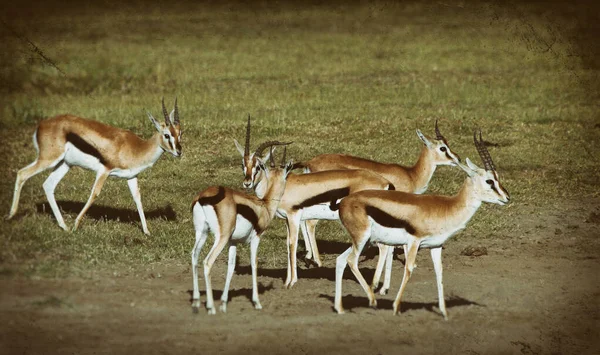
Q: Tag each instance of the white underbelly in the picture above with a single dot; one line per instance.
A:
(399, 236)
(243, 229)
(322, 211)
(389, 236)
(75, 157)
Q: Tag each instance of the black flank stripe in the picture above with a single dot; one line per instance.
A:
(85, 147)
(213, 200)
(330, 196)
(249, 214)
(389, 221)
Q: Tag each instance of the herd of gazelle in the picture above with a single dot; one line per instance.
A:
(376, 202)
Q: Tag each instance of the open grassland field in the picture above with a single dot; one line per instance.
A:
(333, 78)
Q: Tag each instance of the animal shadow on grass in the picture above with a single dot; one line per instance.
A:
(333, 247)
(235, 293)
(326, 273)
(350, 302)
(100, 212)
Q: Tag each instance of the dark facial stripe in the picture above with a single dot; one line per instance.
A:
(212, 200)
(85, 147)
(386, 220)
(329, 196)
(248, 213)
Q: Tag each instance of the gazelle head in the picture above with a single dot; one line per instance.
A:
(250, 161)
(170, 130)
(438, 148)
(275, 175)
(485, 181)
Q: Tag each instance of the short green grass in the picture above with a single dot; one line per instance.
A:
(357, 79)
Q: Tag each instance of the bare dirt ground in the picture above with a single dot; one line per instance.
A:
(537, 292)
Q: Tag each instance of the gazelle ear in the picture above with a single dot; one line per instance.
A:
(472, 165)
(422, 137)
(289, 166)
(154, 122)
(172, 116)
(260, 163)
(239, 147)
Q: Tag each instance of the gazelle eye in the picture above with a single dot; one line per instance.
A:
(490, 182)
(443, 149)
(167, 136)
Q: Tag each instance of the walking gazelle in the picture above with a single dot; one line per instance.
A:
(413, 179)
(234, 217)
(65, 141)
(414, 221)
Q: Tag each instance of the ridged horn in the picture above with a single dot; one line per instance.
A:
(176, 114)
(262, 147)
(164, 109)
(247, 146)
(483, 152)
(438, 134)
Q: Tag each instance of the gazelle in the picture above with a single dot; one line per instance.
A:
(65, 141)
(414, 221)
(234, 217)
(307, 196)
(250, 165)
(414, 179)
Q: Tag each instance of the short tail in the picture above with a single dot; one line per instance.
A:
(335, 204)
(298, 165)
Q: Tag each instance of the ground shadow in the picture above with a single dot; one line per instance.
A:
(100, 212)
(324, 273)
(235, 293)
(350, 302)
(333, 247)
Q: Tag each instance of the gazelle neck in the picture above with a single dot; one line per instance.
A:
(422, 171)
(261, 185)
(153, 149)
(274, 192)
(464, 204)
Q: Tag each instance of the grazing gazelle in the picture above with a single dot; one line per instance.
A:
(234, 217)
(415, 221)
(414, 179)
(65, 141)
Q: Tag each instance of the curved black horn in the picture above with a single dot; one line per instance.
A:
(283, 158)
(271, 158)
(483, 152)
(438, 134)
(176, 114)
(164, 109)
(247, 146)
(262, 147)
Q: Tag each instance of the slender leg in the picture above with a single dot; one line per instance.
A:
(353, 263)
(293, 221)
(380, 263)
(137, 198)
(101, 177)
(201, 233)
(253, 261)
(411, 257)
(436, 256)
(49, 187)
(387, 279)
(230, 271)
(340, 266)
(25, 174)
(311, 226)
(220, 242)
(305, 236)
